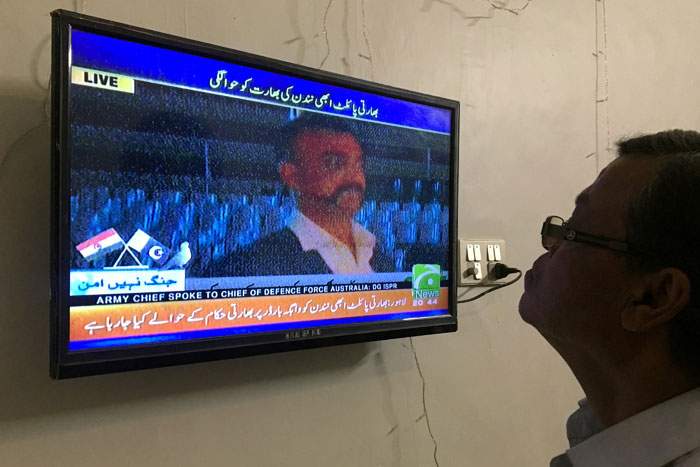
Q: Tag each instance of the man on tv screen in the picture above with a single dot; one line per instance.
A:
(322, 162)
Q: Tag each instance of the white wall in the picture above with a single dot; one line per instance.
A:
(545, 89)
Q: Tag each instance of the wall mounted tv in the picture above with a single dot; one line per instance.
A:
(209, 203)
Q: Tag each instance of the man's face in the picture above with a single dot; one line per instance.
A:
(574, 294)
(327, 171)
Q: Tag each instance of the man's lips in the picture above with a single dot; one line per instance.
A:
(530, 274)
(528, 277)
(349, 190)
(349, 195)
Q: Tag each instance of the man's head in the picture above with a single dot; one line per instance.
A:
(323, 163)
(613, 307)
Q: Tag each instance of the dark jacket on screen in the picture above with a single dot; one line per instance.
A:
(281, 254)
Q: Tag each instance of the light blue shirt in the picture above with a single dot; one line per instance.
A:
(665, 435)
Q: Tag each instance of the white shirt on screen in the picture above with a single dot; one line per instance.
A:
(336, 254)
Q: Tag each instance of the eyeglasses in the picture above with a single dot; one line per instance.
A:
(555, 230)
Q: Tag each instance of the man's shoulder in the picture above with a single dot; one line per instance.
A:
(281, 242)
(691, 459)
(277, 254)
(380, 262)
(274, 254)
(666, 434)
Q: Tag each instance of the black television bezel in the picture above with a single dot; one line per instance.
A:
(68, 365)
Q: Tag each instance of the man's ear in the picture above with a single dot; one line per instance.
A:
(288, 174)
(656, 299)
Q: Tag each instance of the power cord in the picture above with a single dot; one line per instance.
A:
(499, 271)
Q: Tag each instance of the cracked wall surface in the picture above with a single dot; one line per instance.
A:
(546, 87)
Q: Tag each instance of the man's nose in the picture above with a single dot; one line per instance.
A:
(356, 174)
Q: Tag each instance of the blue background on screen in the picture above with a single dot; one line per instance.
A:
(160, 64)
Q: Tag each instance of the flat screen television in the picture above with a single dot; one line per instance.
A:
(209, 203)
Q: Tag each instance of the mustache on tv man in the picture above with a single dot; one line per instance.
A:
(323, 164)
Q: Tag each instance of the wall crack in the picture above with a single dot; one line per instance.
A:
(367, 56)
(293, 13)
(503, 6)
(347, 69)
(18, 140)
(79, 6)
(325, 33)
(494, 6)
(185, 20)
(425, 407)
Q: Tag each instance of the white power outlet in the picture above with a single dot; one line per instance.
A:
(476, 259)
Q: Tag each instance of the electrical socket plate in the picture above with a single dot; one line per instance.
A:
(488, 250)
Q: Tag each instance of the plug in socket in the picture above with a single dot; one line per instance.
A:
(476, 260)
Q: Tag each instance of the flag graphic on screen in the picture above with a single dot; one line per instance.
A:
(148, 247)
(100, 244)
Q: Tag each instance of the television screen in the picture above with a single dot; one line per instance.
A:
(209, 203)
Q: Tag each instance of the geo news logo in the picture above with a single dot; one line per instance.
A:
(426, 281)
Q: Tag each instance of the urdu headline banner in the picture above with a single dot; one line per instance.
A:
(149, 319)
(170, 67)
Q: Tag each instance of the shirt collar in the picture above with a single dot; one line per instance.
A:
(335, 253)
(314, 237)
(653, 437)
